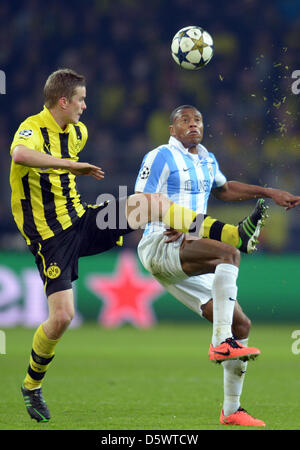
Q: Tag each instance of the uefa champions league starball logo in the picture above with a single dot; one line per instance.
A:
(145, 172)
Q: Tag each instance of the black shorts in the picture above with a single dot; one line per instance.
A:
(57, 257)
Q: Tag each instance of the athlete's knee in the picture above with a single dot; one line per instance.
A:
(157, 202)
(142, 208)
(61, 319)
(231, 256)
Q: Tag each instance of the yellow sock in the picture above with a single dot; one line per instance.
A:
(207, 224)
(41, 356)
(224, 232)
(182, 219)
(230, 235)
(179, 218)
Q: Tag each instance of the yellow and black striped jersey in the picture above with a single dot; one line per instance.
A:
(45, 201)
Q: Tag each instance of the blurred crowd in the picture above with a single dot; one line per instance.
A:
(251, 116)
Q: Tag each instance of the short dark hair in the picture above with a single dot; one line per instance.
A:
(179, 108)
(61, 83)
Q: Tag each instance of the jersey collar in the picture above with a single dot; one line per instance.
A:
(175, 143)
(51, 123)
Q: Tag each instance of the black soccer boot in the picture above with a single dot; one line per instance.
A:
(35, 404)
(250, 227)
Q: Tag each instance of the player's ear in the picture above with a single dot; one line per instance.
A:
(63, 102)
(172, 131)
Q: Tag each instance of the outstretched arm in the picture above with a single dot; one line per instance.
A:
(32, 158)
(236, 191)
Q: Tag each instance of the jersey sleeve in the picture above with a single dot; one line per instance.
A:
(27, 134)
(219, 177)
(153, 173)
(84, 134)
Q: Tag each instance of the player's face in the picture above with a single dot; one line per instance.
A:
(188, 127)
(76, 105)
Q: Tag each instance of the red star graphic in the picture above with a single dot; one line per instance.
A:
(127, 294)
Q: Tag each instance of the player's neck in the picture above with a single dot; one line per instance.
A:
(59, 118)
(193, 150)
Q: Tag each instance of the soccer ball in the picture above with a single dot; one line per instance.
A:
(192, 47)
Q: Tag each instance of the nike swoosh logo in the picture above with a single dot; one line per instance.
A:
(223, 353)
(186, 169)
(232, 299)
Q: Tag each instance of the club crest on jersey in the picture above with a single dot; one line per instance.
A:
(78, 146)
(145, 172)
(26, 133)
(53, 271)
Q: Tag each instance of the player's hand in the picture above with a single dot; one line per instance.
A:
(285, 199)
(80, 168)
(172, 234)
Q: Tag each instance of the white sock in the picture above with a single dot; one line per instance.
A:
(224, 292)
(234, 374)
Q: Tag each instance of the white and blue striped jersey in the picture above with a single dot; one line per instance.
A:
(184, 177)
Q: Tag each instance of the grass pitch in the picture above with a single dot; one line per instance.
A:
(157, 379)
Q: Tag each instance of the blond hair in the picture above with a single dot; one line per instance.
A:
(61, 83)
